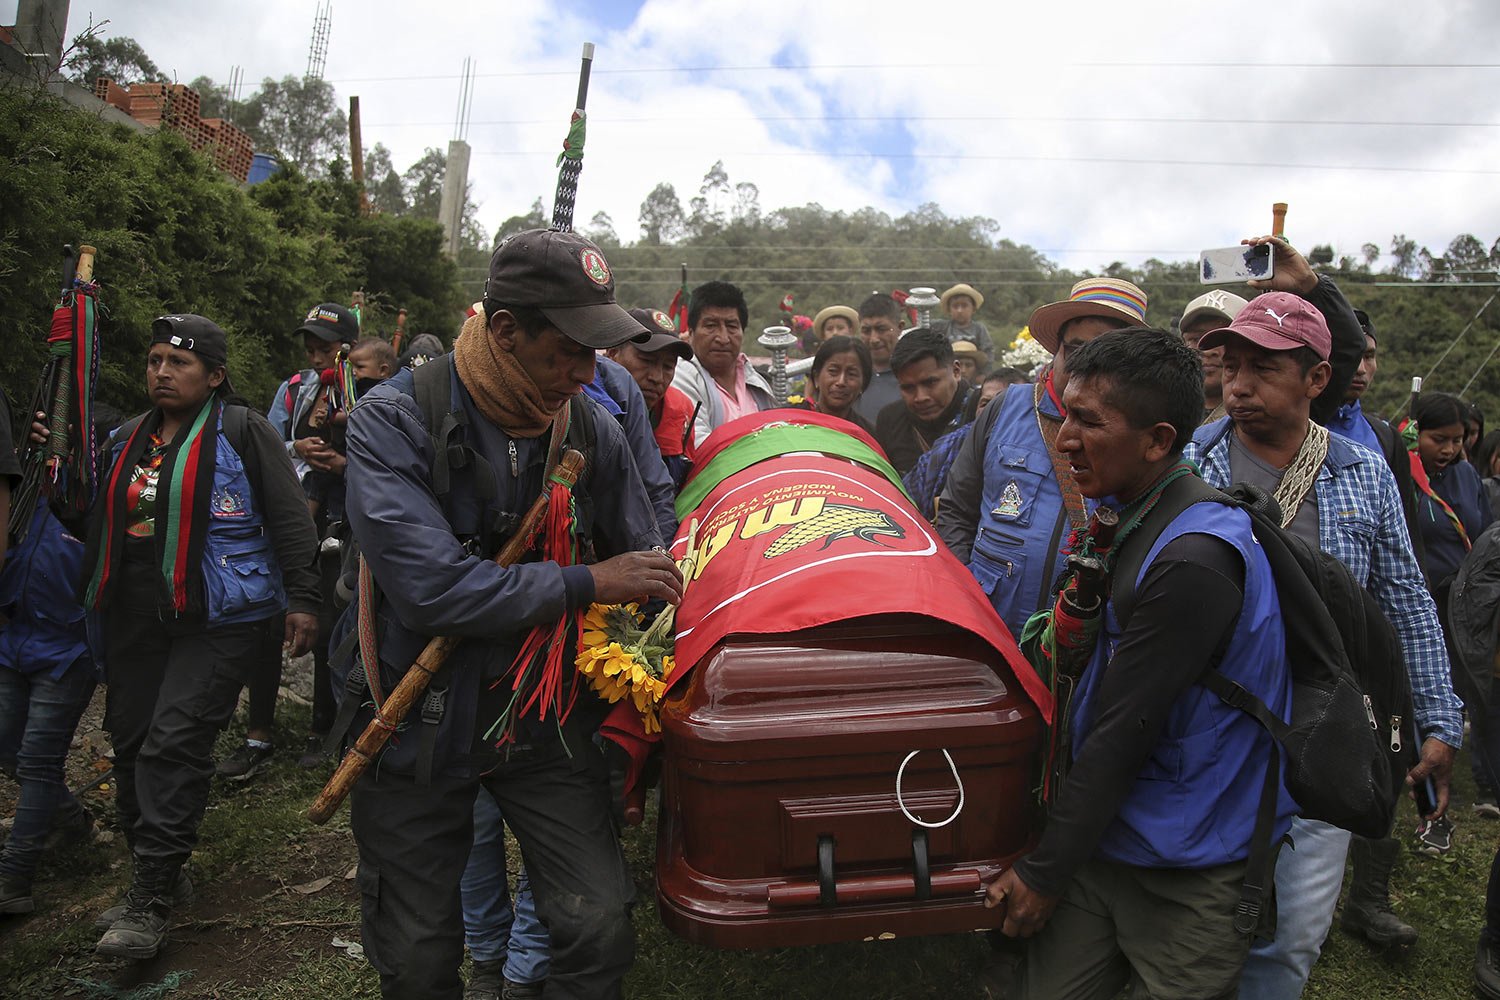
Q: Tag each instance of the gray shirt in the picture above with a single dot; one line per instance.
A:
(882, 392)
(1246, 467)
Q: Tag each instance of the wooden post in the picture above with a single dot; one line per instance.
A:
(357, 156)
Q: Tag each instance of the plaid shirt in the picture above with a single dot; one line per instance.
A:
(1360, 523)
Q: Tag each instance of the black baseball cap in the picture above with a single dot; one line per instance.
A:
(566, 277)
(195, 333)
(662, 334)
(330, 322)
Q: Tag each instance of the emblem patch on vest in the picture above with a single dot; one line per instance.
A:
(226, 503)
(1010, 501)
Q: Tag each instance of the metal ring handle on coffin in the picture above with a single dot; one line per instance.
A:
(901, 804)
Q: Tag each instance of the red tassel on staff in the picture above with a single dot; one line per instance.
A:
(557, 544)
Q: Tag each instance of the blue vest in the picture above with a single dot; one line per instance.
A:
(1022, 524)
(1194, 802)
(240, 571)
(45, 630)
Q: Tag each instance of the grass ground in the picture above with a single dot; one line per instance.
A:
(264, 921)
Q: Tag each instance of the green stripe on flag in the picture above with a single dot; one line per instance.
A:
(769, 442)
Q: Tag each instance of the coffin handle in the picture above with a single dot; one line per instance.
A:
(921, 873)
(827, 888)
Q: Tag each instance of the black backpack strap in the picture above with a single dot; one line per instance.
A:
(237, 426)
(1259, 870)
(1179, 495)
(434, 704)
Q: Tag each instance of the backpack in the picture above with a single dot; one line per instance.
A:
(355, 683)
(1351, 739)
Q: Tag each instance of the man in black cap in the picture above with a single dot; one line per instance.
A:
(652, 363)
(302, 412)
(429, 517)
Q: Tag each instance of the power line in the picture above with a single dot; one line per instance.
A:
(1024, 158)
(1066, 119)
(901, 67)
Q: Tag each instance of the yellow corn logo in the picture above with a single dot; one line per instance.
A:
(833, 523)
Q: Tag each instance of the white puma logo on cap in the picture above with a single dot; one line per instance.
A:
(1277, 318)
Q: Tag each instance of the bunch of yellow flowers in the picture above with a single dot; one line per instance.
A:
(621, 659)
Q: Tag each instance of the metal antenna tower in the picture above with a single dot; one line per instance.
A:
(317, 52)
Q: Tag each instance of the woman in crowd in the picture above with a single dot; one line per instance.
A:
(1452, 511)
(841, 371)
(199, 536)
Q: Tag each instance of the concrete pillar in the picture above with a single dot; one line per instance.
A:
(41, 30)
(455, 187)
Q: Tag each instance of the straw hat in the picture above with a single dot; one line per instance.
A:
(962, 289)
(965, 347)
(1107, 298)
(824, 315)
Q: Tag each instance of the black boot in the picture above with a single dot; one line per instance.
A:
(486, 980)
(15, 894)
(1368, 912)
(142, 929)
(180, 897)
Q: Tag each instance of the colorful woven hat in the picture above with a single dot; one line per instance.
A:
(1108, 298)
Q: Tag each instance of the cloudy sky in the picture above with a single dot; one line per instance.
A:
(1092, 131)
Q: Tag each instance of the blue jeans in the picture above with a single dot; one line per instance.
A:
(1309, 876)
(37, 717)
(493, 929)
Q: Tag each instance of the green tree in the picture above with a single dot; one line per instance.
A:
(536, 218)
(300, 119)
(383, 184)
(423, 181)
(121, 59)
(661, 217)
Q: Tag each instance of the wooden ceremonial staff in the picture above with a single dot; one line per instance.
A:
(419, 674)
(567, 178)
(57, 440)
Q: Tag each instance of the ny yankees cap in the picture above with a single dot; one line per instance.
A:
(1277, 321)
(566, 277)
(1218, 304)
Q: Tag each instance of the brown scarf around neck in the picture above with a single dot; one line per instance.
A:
(500, 387)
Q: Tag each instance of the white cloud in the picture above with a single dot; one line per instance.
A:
(964, 81)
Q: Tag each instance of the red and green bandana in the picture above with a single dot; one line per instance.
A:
(182, 510)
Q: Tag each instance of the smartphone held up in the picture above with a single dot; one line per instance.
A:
(1236, 265)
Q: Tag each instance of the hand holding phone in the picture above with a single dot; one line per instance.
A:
(1236, 265)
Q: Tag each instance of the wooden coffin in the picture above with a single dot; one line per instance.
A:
(780, 823)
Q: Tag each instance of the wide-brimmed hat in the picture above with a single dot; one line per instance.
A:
(829, 312)
(962, 289)
(1107, 298)
(1277, 321)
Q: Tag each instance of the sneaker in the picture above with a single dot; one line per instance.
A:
(15, 895)
(182, 895)
(1486, 807)
(315, 756)
(246, 762)
(1435, 838)
(140, 931)
(486, 980)
(1487, 969)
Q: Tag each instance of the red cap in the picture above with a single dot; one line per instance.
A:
(1277, 321)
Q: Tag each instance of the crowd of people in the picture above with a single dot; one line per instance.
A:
(359, 513)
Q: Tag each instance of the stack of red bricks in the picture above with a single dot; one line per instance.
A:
(175, 107)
